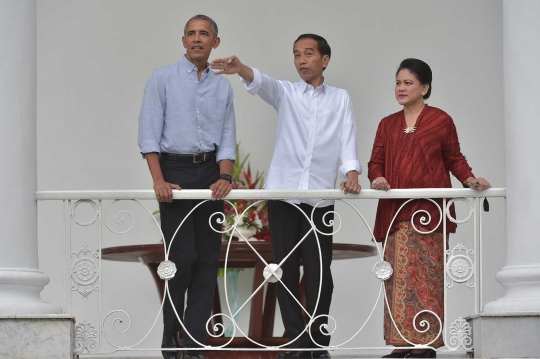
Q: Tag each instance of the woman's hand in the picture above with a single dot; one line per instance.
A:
(478, 184)
(380, 183)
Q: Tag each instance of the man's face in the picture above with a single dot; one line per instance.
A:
(199, 40)
(308, 60)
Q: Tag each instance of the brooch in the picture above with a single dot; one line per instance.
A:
(409, 129)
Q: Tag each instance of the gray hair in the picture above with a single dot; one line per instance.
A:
(213, 24)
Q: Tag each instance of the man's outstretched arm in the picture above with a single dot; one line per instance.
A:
(232, 65)
(268, 88)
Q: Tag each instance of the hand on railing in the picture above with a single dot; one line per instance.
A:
(478, 184)
(351, 185)
(380, 183)
(164, 190)
(220, 189)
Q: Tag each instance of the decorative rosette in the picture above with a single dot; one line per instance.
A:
(166, 270)
(272, 272)
(383, 270)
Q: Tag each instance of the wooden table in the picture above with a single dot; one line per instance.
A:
(261, 323)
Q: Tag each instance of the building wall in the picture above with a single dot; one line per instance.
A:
(94, 59)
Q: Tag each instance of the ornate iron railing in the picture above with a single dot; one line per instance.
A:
(83, 265)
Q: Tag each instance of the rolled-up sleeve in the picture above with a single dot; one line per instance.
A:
(151, 116)
(227, 147)
(349, 157)
(254, 86)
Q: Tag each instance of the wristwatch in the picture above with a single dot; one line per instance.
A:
(226, 177)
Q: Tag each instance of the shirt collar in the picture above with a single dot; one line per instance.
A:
(189, 66)
(304, 86)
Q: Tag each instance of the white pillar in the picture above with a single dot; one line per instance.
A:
(20, 279)
(521, 48)
(509, 327)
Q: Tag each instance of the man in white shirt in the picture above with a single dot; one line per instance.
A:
(316, 127)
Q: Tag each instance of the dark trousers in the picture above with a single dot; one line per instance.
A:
(288, 226)
(195, 249)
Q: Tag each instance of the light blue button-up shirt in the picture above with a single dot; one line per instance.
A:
(184, 115)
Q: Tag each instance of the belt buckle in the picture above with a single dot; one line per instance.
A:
(195, 158)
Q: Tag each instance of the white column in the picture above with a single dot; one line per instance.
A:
(20, 279)
(521, 48)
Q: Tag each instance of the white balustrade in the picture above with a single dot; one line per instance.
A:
(83, 261)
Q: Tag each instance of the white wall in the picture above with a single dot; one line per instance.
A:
(94, 59)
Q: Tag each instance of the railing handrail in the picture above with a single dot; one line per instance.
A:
(331, 194)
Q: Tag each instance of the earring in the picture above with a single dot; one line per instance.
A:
(423, 93)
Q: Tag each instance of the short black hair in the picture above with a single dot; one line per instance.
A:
(421, 70)
(322, 44)
(213, 25)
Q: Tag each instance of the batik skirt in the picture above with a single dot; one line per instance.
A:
(416, 286)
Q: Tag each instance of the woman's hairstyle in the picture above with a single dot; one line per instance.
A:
(420, 70)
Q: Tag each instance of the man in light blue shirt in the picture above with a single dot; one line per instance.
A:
(187, 135)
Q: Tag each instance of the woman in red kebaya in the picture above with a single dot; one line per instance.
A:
(416, 147)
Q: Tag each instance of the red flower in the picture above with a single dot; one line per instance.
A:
(244, 178)
(263, 216)
(263, 234)
(236, 185)
(228, 209)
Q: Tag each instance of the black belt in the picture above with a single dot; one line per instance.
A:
(191, 158)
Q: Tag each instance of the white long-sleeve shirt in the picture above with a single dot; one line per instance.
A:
(316, 127)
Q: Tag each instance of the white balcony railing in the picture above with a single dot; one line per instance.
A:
(94, 220)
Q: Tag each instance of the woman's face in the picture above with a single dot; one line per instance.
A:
(408, 89)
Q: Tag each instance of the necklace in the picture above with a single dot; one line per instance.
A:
(409, 129)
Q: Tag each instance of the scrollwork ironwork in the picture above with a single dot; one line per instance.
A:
(120, 218)
(117, 324)
(323, 328)
(219, 328)
(85, 275)
(327, 222)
